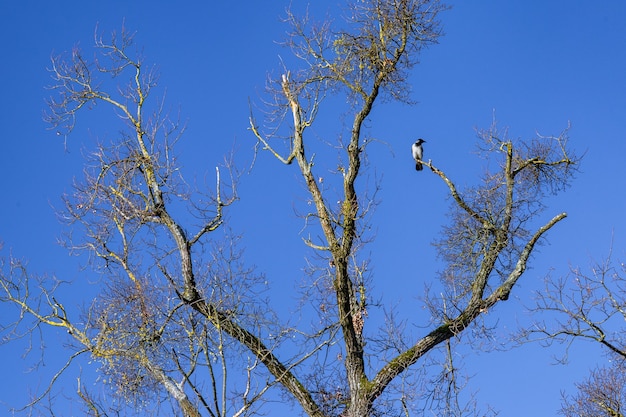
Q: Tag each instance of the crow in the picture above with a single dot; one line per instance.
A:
(418, 154)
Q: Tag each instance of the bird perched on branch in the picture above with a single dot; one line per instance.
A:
(418, 153)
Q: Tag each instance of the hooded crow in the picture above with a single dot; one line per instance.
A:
(418, 154)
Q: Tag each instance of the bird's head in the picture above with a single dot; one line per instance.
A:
(420, 141)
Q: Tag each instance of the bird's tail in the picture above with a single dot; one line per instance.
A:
(418, 166)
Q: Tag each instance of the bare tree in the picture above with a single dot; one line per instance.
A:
(602, 394)
(488, 244)
(587, 305)
(162, 319)
(143, 328)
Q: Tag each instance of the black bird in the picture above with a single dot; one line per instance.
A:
(418, 154)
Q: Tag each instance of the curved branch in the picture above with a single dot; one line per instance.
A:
(54, 379)
(457, 197)
(462, 321)
(266, 145)
(502, 293)
(282, 374)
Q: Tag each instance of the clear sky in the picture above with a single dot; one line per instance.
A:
(537, 64)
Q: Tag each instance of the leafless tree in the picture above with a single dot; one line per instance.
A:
(602, 394)
(587, 305)
(163, 324)
(143, 328)
(489, 242)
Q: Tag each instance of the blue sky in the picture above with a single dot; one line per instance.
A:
(538, 65)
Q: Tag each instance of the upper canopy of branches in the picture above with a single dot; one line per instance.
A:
(380, 42)
(76, 81)
(499, 211)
